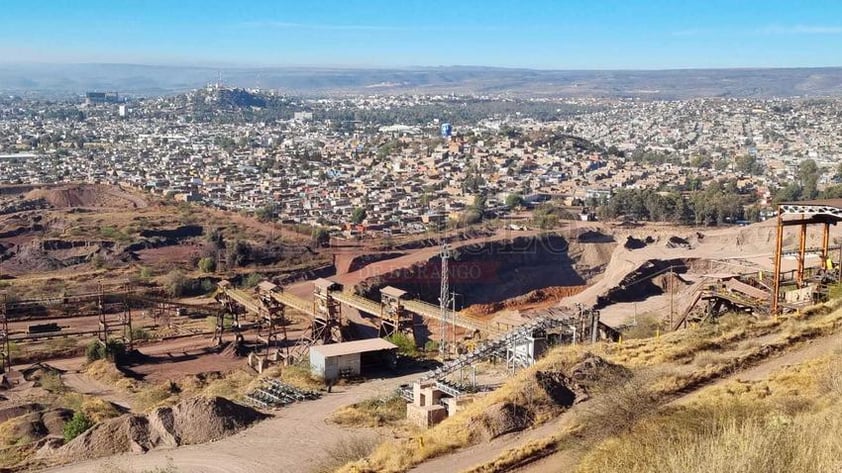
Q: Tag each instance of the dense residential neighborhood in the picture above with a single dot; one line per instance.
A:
(315, 161)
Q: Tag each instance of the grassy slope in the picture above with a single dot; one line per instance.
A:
(666, 368)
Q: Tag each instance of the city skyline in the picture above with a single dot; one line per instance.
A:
(540, 35)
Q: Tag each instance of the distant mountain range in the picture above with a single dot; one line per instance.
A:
(62, 79)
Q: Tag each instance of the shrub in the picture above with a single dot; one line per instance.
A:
(115, 349)
(112, 350)
(207, 265)
(406, 345)
(175, 283)
(375, 412)
(145, 272)
(51, 381)
(98, 261)
(431, 346)
(140, 334)
(95, 351)
(252, 280)
(75, 426)
(646, 326)
(346, 450)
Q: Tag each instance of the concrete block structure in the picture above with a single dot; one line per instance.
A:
(347, 359)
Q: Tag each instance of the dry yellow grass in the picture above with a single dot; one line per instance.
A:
(375, 412)
(684, 360)
(787, 422)
(460, 430)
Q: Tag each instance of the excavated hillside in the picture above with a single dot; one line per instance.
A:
(491, 272)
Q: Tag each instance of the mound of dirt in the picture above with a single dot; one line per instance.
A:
(538, 296)
(16, 411)
(503, 418)
(576, 384)
(33, 426)
(127, 433)
(193, 421)
(86, 196)
(200, 420)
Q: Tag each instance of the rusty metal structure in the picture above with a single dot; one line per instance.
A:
(807, 213)
(394, 318)
(234, 303)
(115, 317)
(764, 293)
(5, 344)
(270, 304)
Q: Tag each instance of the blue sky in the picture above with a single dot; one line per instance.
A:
(560, 34)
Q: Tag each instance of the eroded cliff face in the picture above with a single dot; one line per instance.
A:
(494, 271)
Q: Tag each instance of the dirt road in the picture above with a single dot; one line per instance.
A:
(84, 384)
(288, 443)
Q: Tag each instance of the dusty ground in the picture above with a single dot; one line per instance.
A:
(724, 250)
(290, 442)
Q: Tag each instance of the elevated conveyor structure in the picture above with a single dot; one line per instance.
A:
(293, 302)
(431, 311)
(512, 345)
(358, 302)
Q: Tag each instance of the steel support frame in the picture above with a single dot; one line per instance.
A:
(327, 319)
(123, 322)
(229, 307)
(824, 216)
(273, 319)
(5, 344)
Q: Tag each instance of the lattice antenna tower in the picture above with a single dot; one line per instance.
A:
(444, 296)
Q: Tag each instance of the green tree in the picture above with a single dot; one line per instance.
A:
(238, 254)
(358, 215)
(321, 237)
(748, 164)
(514, 200)
(479, 203)
(215, 237)
(266, 213)
(808, 174)
(176, 283)
(252, 280)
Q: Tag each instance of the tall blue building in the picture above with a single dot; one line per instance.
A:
(446, 130)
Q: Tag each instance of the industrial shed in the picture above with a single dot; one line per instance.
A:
(342, 360)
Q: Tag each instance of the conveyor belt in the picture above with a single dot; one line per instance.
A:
(293, 302)
(358, 302)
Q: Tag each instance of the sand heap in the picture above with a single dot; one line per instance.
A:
(193, 421)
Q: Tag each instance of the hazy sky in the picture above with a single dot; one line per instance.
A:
(559, 34)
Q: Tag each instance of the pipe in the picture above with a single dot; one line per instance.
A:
(776, 283)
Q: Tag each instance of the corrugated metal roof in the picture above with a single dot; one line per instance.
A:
(357, 346)
(393, 292)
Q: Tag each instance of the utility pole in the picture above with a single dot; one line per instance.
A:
(5, 346)
(453, 321)
(671, 286)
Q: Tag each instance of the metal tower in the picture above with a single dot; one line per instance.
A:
(444, 298)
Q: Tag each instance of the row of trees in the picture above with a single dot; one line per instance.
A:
(718, 203)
